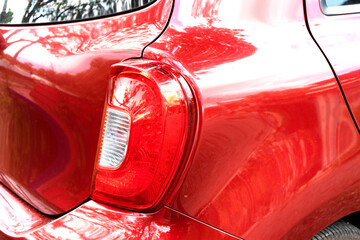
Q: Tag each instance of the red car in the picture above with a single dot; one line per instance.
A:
(180, 119)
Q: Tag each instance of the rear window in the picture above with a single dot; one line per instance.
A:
(49, 11)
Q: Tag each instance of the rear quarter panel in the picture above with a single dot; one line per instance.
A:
(53, 81)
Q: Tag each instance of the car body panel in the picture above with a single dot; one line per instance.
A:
(93, 220)
(18, 217)
(52, 87)
(275, 132)
(276, 152)
(339, 37)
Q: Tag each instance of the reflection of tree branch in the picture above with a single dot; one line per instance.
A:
(57, 10)
(21, 49)
(36, 18)
(20, 40)
(26, 14)
(10, 35)
(45, 3)
(58, 16)
(36, 7)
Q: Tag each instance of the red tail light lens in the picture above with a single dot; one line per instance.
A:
(147, 129)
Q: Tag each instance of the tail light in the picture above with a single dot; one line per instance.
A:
(146, 133)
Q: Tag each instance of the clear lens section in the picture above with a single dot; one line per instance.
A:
(115, 138)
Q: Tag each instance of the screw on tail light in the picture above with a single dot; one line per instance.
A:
(146, 135)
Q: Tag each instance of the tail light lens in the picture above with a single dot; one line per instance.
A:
(147, 130)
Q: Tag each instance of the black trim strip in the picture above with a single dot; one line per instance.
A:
(162, 32)
(331, 67)
(204, 223)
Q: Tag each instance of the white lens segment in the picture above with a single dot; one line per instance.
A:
(115, 138)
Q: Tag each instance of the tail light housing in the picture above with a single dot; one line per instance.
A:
(146, 134)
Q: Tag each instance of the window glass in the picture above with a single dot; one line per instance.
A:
(335, 7)
(333, 3)
(44, 11)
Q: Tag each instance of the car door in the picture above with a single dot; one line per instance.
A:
(54, 71)
(335, 26)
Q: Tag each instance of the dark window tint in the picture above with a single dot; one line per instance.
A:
(45, 11)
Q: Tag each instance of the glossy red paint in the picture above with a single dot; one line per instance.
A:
(97, 221)
(339, 38)
(275, 154)
(17, 217)
(276, 143)
(53, 81)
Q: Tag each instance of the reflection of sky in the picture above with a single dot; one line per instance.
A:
(17, 7)
(332, 3)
